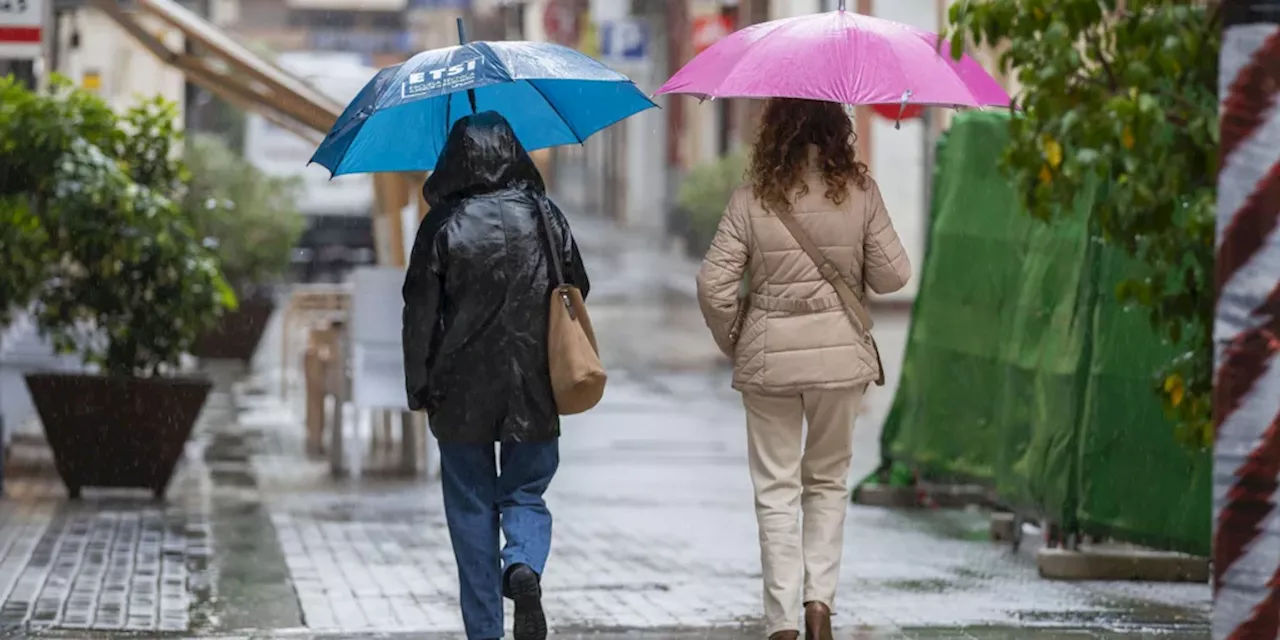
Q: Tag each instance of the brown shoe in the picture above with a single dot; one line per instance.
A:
(785, 635)
(817, 621)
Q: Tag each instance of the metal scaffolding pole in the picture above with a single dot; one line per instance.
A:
(1247, 327)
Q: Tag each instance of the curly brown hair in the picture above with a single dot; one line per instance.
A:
(788, 128)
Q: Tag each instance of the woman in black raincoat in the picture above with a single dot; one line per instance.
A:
(476, 299)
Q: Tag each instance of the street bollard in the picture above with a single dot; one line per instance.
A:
(318, 363)
(340, 386)
(313, 366)
(409, 444)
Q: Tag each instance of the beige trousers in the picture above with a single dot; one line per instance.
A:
(800, 563)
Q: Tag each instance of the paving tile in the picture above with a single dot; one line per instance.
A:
(654, 530)
(104, 563)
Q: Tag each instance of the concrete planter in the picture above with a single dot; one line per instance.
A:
(116, 431)
(238, 333)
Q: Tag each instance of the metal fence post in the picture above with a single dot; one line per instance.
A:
(1246, 332)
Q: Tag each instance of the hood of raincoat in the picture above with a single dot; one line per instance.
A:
(482, 155)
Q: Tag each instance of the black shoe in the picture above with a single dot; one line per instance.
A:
(523, 587)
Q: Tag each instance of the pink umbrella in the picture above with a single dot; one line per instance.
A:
(838, 57)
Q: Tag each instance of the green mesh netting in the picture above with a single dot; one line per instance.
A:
(1022, 371)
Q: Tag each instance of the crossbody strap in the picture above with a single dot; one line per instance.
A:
(857, 312)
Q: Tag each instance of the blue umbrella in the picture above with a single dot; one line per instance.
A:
(551, 95)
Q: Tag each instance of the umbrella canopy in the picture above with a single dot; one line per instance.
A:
(841, 57)
(551, 95)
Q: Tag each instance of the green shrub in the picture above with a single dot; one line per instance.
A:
(250, 219)
(706, 190)
(99, 247)
(1127, 97)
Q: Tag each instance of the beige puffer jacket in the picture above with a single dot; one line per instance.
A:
(796, 336)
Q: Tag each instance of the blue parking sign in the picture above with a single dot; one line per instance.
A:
(624, 40)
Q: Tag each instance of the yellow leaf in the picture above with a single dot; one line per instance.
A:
(1127, 139)
(1176, 387)
(1038, 13)
(1045, 175)
(1052, 151)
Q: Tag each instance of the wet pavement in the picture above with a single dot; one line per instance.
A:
(654, 535)
(967, 633)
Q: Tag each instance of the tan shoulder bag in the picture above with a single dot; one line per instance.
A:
(853, 307)
(577, 375)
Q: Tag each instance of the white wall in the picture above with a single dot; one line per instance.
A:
(898, 155)
(433, 28)
(279, 152)
(127, 70)
(644, 152)
(224, 13)
(792, 8)
(702, 119)
(533, 10)
(646, 174)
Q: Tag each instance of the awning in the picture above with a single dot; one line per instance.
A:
(224, 67)
(345, 5)
(227, 69)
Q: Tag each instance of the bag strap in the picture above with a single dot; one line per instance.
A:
(553, 252)
(554, 257)
(857, 311)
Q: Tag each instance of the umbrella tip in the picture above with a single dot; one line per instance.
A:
(906, 96)
(842, 7)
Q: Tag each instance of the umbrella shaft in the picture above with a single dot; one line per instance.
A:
(462, 39)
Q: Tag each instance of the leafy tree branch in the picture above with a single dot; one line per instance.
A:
(1122, 97)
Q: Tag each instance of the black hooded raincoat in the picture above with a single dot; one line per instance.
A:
(477, 291)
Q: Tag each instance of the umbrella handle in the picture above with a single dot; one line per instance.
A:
(841, 5)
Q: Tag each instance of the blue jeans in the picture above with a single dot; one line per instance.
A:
(477, 501)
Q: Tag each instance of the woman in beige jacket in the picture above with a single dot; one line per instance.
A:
(797, 354)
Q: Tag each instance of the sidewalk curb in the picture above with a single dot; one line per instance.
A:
(1139, 564)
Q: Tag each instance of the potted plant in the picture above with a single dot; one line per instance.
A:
(703, 196)
(114, 272)
(252, 222)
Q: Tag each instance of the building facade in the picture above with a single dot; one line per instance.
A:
(630, 172)
(383, 32)
(664, 145)
(98, 55)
